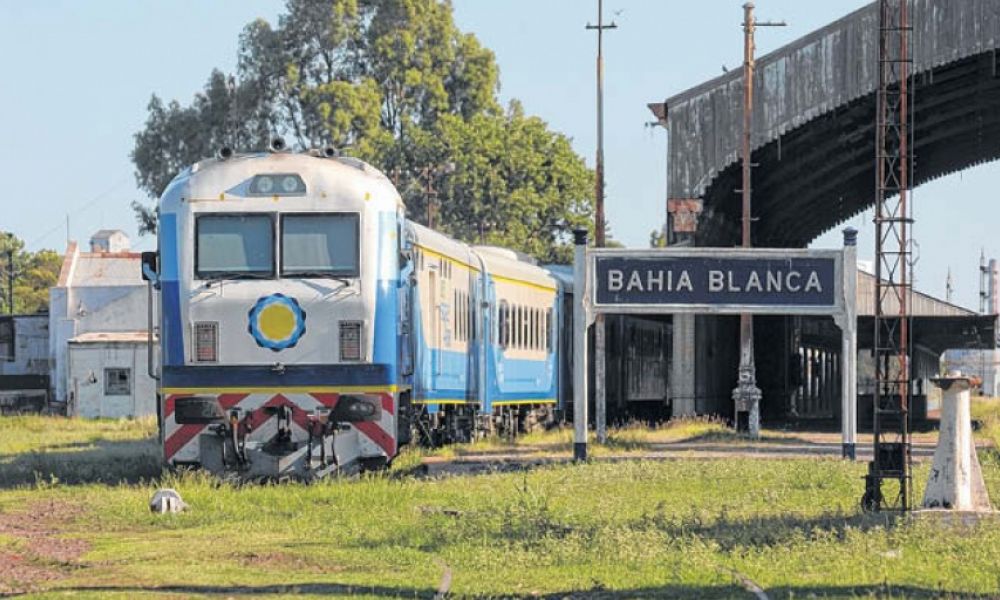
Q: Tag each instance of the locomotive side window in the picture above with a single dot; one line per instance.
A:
(234, 246)
(320, 245)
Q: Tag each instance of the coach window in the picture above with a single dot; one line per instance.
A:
(320, 245)
(548, 330)
(502, 324)
(234, 246)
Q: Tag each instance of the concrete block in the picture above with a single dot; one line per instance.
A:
(956, 479)
(167, 500)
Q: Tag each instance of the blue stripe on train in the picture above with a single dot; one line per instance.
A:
(172, 335)
(386, 295)
(324, 375)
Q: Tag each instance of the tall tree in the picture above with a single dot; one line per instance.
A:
(396, 83)
(34, 273)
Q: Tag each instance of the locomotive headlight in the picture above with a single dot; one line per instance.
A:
(265, 184)
(277, 184)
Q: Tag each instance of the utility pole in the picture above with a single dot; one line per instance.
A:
(599, 222)
(949, 288)
(428, 174)
(10, 281)
(982, 281)
(599, 227)
(746, 396)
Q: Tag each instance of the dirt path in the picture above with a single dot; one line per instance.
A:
(40, 554)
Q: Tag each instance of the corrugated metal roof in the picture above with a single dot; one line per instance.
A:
(921, 304)
(95, 269)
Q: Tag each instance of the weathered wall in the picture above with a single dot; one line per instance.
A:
(78, 310)
(87, 364)
(814, 75)
(31, 346)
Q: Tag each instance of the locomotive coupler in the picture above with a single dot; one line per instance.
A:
(281, 443)
(234, 432)
(321, 428)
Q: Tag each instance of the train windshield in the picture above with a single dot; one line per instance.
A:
(234, 246)
(319, 245)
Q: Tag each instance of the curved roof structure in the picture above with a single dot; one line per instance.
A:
(814, 122)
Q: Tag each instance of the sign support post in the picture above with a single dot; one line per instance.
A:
(581, 321)
(848, 323)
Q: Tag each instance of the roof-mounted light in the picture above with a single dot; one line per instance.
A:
(277, 184)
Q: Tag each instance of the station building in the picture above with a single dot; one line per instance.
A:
(98, 331)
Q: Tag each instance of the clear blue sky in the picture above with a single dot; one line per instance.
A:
(79, 75)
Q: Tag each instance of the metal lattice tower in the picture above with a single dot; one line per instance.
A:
(888, 484)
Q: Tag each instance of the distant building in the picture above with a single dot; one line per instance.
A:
(98, 331)
(984, 364)
(109, 240)
(24, 362)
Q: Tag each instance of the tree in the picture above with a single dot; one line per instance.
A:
(34, 274)
(396, 83)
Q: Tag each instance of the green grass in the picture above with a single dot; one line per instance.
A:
(987, 412)
(678, 528)
(52, 449)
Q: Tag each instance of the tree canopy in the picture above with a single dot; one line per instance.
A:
(34, 274)
(396, 83)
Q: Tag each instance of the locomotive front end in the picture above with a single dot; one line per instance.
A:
(278, 277)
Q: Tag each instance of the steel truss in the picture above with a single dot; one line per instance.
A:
(888, 485)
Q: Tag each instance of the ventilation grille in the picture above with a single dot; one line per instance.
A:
(206, 342)
(350, 340)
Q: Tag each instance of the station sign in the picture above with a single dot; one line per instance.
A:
(711, 280)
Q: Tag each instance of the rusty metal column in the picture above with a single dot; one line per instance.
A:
(747, 395)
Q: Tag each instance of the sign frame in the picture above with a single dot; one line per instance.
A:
(842, 279)
(586, 310)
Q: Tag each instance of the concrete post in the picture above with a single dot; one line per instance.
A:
(849, 348)
(956, 479)
(580, 322)
(600, 393)
(682, 366)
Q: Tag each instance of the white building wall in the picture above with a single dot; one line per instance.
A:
(78, 310)
(86, 378)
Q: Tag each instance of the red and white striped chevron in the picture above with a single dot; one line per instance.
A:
(376, 438)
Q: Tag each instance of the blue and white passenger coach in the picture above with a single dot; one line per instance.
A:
(305, 326)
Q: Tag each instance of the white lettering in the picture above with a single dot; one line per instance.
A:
(615, 278)
(685, 282)
(753, 282)
(670, 281)
(788, 281)
(716, 281)
(813, 282)
(634, 282)
(773, 281)
(650, 281)
(732, 288)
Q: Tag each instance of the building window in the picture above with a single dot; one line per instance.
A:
(7, 340)
(117, 382)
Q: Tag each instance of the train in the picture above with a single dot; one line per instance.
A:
(305, 326)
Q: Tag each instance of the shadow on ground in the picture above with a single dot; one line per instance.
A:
(667, 591)
(764, 531)
(103, 461)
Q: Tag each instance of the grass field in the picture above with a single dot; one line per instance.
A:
(682, 528)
